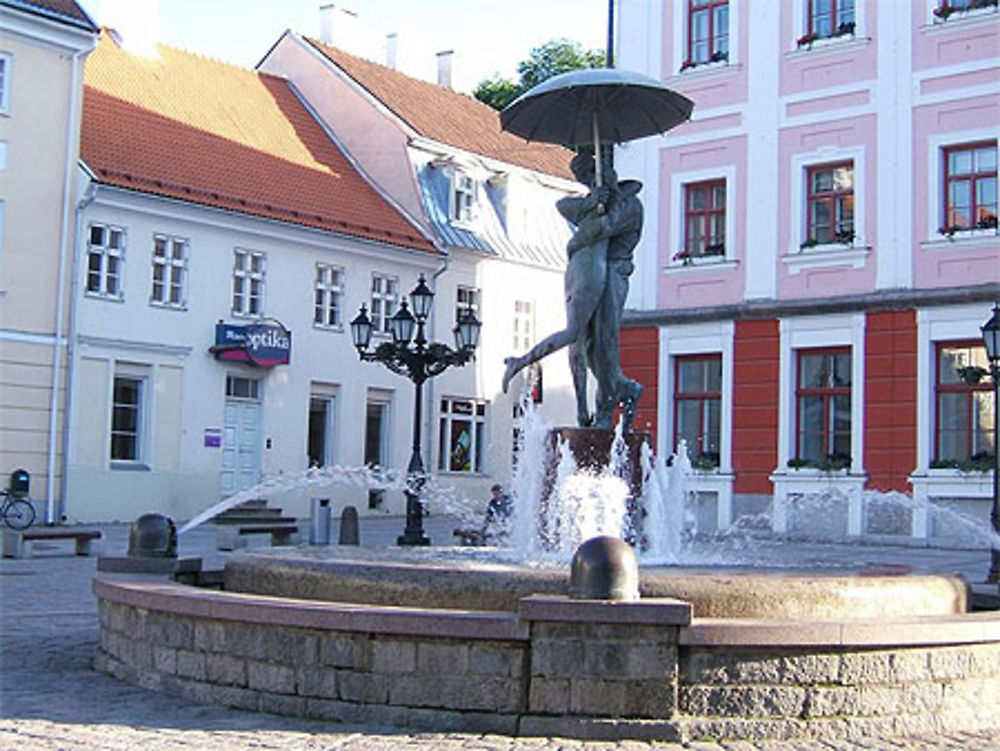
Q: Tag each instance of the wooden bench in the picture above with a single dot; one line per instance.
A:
(232, 536)
(20, 544)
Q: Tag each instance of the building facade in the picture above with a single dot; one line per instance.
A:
(43, 47)
(820, 252)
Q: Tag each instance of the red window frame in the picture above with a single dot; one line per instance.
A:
(831, 197)
(958, 387)
(974, 177)
(836, 13)
(709, 6)
(709, 240)
(702, 398)
(827, 392)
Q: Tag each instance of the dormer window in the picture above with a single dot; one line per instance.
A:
(463, 198)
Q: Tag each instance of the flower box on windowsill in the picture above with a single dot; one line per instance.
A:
(945, 11)
(833, 464)
(683, 259)
(809, 39)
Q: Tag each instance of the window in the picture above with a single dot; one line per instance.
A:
(823, 407)
(829, 18)
(242, 388)
(385, 297)
(248, 282)
(698, 407)
(964, 402)
(463, 198)
(321, 425)
(704, 220)
(466, 301)
(524, 326)
(170, 257)
(6, 62)
(970, 189)
(462, 435)
(329, 301)
(376, 442)
(830, 204)
(126, 419)
(105, 261)
(708, 32)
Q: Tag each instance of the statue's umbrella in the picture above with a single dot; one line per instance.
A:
(595, 106)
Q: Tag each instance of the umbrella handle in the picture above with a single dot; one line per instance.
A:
(598, 177)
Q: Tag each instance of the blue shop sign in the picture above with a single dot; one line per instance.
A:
(264, 343)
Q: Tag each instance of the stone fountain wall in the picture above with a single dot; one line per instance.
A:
(556, 667)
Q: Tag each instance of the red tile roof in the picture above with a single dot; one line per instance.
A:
(196, 129)
(448, 116)
(62, 10)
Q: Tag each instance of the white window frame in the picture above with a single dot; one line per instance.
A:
(820, 332)
(678, 193)
(856, 254)
(106, 252)
(6, 76)
(467, 299)
(478, 463)
(700, 339)
(387, 301)
(328, 295)
(463, 197)
(680, 14)
(934, 215)
(244, 271)
(168, 263)
(524, 326)
(141, 407)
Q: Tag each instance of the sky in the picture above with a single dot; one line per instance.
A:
(488, 37)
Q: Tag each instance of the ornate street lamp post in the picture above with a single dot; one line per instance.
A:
(991, 338)
(417, 360)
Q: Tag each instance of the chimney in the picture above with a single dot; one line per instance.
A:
(338, 26)
(444, 68)
(391, 45)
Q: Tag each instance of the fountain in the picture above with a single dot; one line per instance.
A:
(489, 640)
(486, 639)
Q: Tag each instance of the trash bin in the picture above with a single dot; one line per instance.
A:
(20, 482)
(319, 522)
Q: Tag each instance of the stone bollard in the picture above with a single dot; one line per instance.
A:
(604, 568)
(349, 533)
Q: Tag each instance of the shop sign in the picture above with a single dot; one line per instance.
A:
(264, 343)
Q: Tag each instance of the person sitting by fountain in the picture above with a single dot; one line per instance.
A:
(498, 513)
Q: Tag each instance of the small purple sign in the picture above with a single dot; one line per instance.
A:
(213, 438)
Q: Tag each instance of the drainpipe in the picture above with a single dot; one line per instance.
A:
(72, 129)
(74, 308)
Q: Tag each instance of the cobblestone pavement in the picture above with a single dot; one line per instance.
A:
(51, 699)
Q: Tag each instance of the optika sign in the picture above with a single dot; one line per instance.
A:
(267, 343)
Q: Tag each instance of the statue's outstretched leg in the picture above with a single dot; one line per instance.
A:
(628, 397)
(578, 369)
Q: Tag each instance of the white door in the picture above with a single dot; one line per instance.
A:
(240, 441)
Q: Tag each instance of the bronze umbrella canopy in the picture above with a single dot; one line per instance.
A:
(595, 106)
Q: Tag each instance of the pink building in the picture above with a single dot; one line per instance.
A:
(821, 249)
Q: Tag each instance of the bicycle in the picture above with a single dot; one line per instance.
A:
(17, 512)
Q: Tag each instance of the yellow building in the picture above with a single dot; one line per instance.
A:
(42, 50)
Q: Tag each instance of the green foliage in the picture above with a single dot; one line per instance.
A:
(497, 92)
(545, 61)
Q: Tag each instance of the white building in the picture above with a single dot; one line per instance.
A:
(214, 197)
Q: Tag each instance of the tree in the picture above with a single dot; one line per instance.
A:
(545, 61)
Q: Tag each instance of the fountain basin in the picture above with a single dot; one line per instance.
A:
(642, 669)
(474, 580)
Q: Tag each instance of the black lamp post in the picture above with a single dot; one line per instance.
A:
(417, 360)
(991, 338)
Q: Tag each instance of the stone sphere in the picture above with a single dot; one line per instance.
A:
(604, 568)
(153, 536)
